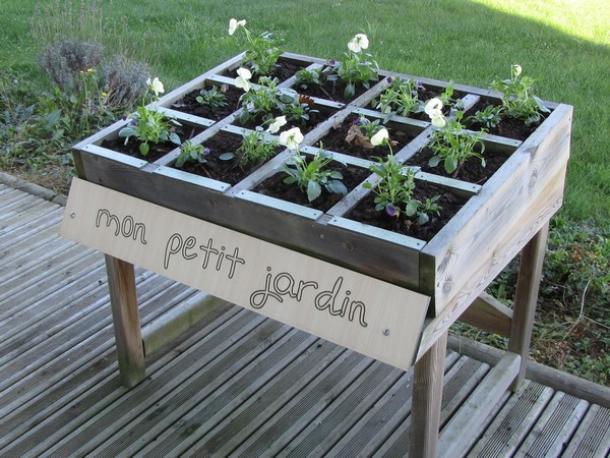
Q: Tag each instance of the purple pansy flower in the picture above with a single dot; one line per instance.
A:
(391, 210)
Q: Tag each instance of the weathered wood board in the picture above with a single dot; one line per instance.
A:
(372, 317)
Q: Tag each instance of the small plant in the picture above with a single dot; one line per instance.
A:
(261, 101)
(394, 192)
(313, 175)
(367, 134)
(355, 67)
(401, 97)
(306, 78)
(299, 110)
(190, 152)
(263, 51)
(212, 98)
(451, 143)
(150, 126)
(518, 99)
(254, 149)
(488, 118)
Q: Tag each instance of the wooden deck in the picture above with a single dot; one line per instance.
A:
(237, 384)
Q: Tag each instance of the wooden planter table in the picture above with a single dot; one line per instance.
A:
(380, 293)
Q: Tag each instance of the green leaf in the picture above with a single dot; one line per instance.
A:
(313, 190)
(336, 187)
(411, 207)
(336, 175)
(367, 185)
(144, 149)
(127, 132)
(350, 90)
(226, 156)
(173, 137)
(290, 180)
(422, 219)
(451, 164)
(434, 161)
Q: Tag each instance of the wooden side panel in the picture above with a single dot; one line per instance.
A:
(372, 317)
(488, 313)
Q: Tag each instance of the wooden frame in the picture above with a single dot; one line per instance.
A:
(506, 215)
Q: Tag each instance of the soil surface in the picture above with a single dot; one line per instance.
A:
(185, 132)
(333, 90)
(335, 140)
(424, 94)
(508, 127)
(314, 119)
(226, 171)
(189, 104)
(275, 187)
(471, 171)
(450, 204)
(284, 69)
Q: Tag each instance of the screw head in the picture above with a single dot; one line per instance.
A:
(72, 215)
(386, 332)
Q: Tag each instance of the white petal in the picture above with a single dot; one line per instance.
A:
(291, 138)
(433, 105)
(244, 73)
(439, 121)
(241, 23)
(363, 40)
(380, 137)
(516, 70)
(354, 46)
(242, 83)
(232, 26)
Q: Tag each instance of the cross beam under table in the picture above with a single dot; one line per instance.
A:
(428, 381)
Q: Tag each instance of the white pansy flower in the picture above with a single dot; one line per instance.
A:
(432, 106)
(234, 24)
(380, 137)
(243, 79)
(156, 86)
(438, 120)
(291, 138)
(358, 43)
(277, 123)
(516, 70)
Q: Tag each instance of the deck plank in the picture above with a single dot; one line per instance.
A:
(592, 438)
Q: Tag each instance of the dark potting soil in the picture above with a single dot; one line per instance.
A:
(424, 94)
(450, 204)
(471, 171)
(189, 104)
(185, 132)
(508, 127)
(283, 69)
(333, 90)
(275, 187)
(315, 118)
(226, 171)
(335, 140)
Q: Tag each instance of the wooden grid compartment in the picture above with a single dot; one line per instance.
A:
(498, 218)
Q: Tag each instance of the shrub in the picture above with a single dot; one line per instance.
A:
(124, 81)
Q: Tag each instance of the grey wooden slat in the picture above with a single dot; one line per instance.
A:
(210, 410)
(513, 422)
(32, 207)
(554, 427)
(72, 353)
(592, 438)
(260, 408)
(460, 381)
(83, 395)
(14, 201)
(31, 229)
(382, 419)
(112, 420)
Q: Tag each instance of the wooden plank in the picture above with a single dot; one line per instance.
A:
(126, 320)
(427, 398)
(178, 320)
(462, 430)
(545, 375)
(488, 313)
(592, 438)
(526, 298)
(513, 422)
(30, 229)
(554, 427)
(265, 273)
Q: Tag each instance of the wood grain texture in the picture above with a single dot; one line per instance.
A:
(526, 297)
(426, 403)
(126, 319)
(489, 314)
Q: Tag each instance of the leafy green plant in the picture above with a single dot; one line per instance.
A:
(262, 101)
(263, 50)
(394, 192)
(453, 146)
(191, 152)
(313, 175)
(489, 117)
(518, 99)
(308, 78)
(212, 98)
(400, 97)
(368, 127)
(253, 149)
(149, 126)
(298, 112)
(356, 67)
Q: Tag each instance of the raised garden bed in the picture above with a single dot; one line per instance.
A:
(487, 214)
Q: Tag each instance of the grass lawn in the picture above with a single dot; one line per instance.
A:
(563, 44)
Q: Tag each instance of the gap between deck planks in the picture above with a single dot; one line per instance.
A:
(237, 382)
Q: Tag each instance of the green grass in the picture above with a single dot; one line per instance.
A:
(563, 44)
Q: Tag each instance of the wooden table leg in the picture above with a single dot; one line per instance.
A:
(526, 297)
(426, 402)
(126, 318)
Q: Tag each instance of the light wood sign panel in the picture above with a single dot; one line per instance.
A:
(370, 316)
